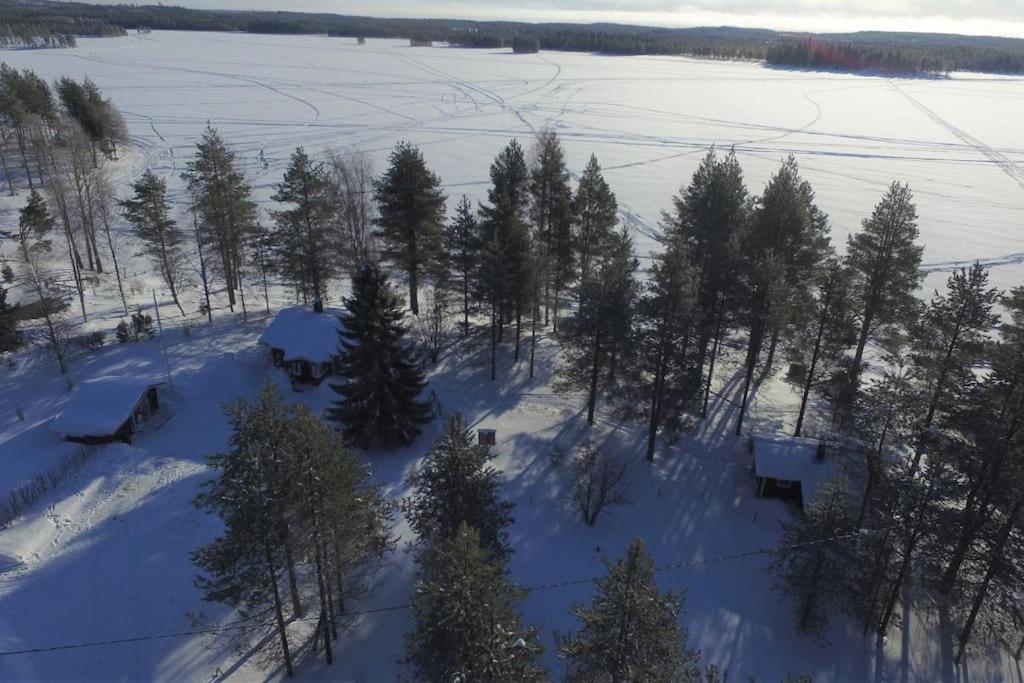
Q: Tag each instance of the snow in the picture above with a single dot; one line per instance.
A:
(100, 406)
(106, 554)
(304, 334)
(792, 459)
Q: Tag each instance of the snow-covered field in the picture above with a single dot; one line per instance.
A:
(105, 556)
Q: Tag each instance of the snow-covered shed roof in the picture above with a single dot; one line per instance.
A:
(100, 406)
(792, 459)
(304, 334)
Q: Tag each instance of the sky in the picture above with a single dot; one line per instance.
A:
(978, 17)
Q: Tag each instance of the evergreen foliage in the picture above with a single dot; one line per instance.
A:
(552, 214)
(815, 573)
(411, 207)
(596, 211)
(630, 630)
(466, 621)
(302, 233)
(379, 404)
(148, 212)
(10, 337)
(222, 202)
(459, 242)
(886, 260)
(455, 485)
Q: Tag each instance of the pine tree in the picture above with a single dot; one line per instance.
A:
(455, 485)
(303, 232)
(149, 214)
(708, 219)
(245, 567)
(411, 207)
(951, 339)
(786, 241)
(989, 461)
(343, 520)
(824, 326)
(222, 201)
(630, 630)
(503, 275)
(886, 261)
(379, 405)
(665, 354)
(812, 568)
(599, 333)
(596, 211)
(460, 244)
(552, 202)
(466, 622)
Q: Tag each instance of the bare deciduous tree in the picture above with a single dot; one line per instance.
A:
(436, 326)
(598, 480)
(352, 178)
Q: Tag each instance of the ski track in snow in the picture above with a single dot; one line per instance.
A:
(649, 120)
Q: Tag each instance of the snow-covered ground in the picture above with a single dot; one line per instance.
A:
(105, 555)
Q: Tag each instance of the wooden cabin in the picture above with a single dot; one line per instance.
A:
(790, 467)
(108, 409)
(304, 341)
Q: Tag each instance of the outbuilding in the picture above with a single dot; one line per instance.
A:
(108, 409)
(790, 467)
(305, 342)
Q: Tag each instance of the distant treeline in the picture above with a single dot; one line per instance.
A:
(906, 57)
(877, 51)
(22, 29)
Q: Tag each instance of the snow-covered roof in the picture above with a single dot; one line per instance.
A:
(304, 334)
(792, 459)
(100, 406)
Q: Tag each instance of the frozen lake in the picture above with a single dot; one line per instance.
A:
(649, 120)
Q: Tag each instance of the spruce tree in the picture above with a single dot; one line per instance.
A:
(379, 404)
(148, 212)
(599, 334)
(411, 206)
(885, 259)
(302, 238)
(630, 630)
(596, 211)
(460, 244)
(455, 485)
(466, 621)
(222, 201)
(812, 568)
(34, 226)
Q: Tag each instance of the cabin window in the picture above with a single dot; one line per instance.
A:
(783, 484)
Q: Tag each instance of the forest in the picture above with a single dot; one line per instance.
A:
(928, 54)
(924, 399)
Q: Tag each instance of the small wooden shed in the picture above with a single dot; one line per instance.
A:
(108, 409)
(487, 437)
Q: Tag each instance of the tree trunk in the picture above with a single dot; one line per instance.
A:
(414, 302)
(202, 268)
(519, 326)
(293, 583)
(533, 337)
(595, 369)
(711, 368)
(494, 341)
(996, 558)
(278, 615)
(113, 258)
(809, 380)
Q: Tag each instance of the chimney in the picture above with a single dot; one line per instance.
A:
(318, 305)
